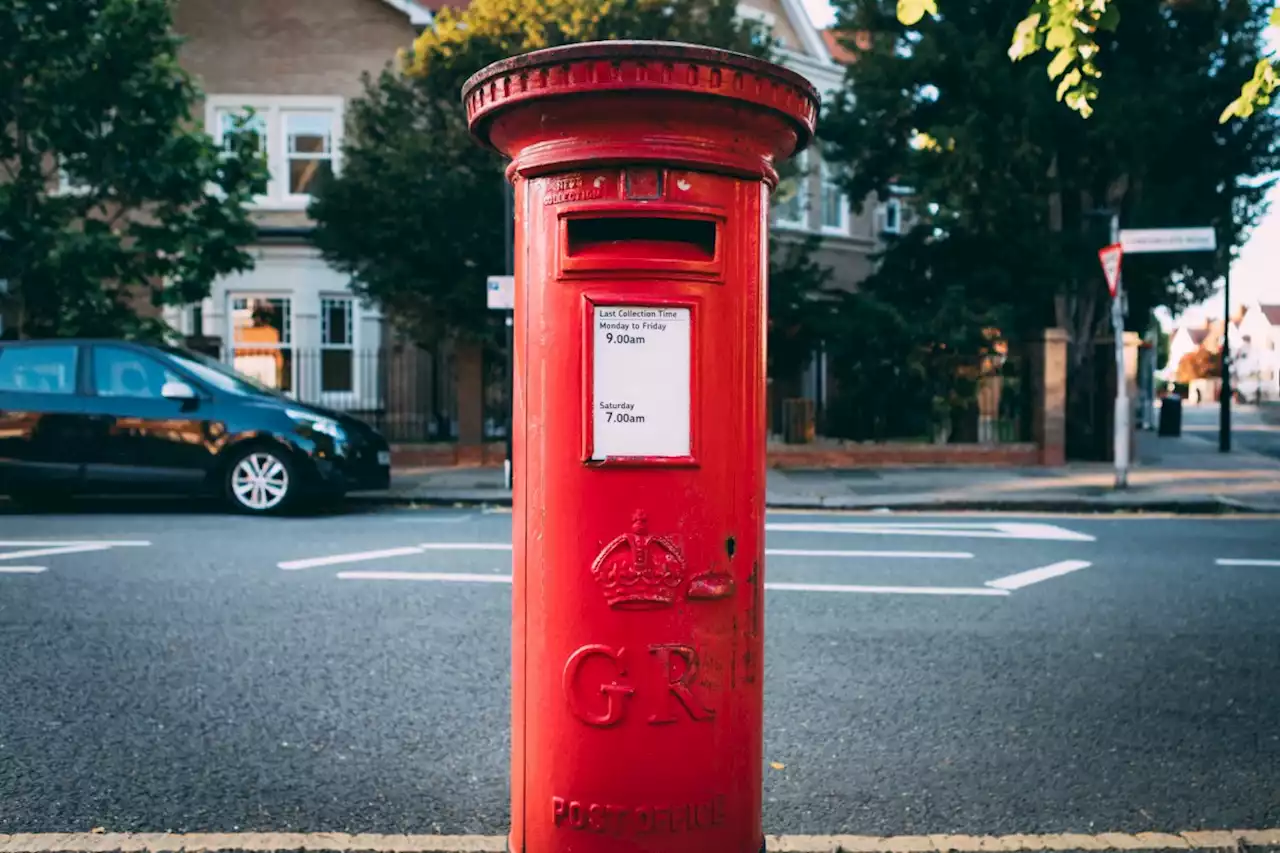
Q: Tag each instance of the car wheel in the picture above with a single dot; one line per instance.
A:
(261, 481)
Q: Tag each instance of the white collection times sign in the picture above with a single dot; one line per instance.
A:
(641, 397)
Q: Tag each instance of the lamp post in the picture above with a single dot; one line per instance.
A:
(1224, 404)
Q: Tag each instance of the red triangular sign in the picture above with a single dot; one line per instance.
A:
(1110, 257)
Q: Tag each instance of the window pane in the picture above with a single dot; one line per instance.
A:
(309, 133)
(227, 124)
(305, 175)
(261, 321)
(39, 370)
(124, 373)
(336, 370)
(270, 367)
(336, 322)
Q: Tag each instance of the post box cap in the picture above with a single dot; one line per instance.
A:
(641, 66)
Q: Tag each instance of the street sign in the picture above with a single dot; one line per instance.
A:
(1154, 240)
(1110, 257)
(502, 292)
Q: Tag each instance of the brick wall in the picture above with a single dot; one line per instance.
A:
(288, 47)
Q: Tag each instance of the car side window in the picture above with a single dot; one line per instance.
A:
(119, 372)
(39, 369)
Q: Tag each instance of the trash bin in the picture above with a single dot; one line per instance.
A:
(798, 417)
(1171, 416)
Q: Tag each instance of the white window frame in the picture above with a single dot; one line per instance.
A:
(290, 325)
(804, 189)
(274, 110)
(842, 228)
(896, 206)
(767, 20)
(341, 400)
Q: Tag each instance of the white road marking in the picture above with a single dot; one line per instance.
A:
(21, 570)
(884, 590)
(1222, 561)
(1044, 573)
(387, 553)
(51, 552)
(460, 577)
(114, 543)
(428, 519)
(357, 557)
(454, 577)
(897, 555)
(997, 530)
(466, 546)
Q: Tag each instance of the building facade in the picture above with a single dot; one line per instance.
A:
(292, 322)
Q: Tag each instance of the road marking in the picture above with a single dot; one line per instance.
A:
(883, 590)
(113, 543)
(997, 530)
(455, 577)
(898, 555)
(466, 546)
(364, 556)
(1044, 573)
(461, 577)
(357, 557)
(22, 570)
(53, 552)
(1222, 561)
(339, 842)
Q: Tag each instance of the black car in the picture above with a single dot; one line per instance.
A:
(113, 417)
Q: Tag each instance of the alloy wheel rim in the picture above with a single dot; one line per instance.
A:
(260, 481)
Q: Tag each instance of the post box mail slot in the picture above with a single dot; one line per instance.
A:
(671, 240)
(642, 175)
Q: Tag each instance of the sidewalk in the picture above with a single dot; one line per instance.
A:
(1185, 474)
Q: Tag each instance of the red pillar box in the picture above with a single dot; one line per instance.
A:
(642, 173)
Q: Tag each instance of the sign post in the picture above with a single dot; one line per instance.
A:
(1140, 241)
(1111, 257)
(501, 296)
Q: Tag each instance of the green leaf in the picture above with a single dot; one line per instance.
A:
(1026, 38)
(1060, 36)
(1068, 82)
(1061, 62)
(911, 12)
(1110, 19)
(1275, 17)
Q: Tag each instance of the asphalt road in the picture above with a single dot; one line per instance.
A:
(186, 682)
(1248, 431)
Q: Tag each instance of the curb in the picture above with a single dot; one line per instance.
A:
(337, 842)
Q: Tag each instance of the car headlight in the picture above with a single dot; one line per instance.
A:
(323, 425)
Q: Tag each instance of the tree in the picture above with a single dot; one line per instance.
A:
(93, 96)
(1014, 195)
(1069, 29)
(1200, 363)
(416, 215)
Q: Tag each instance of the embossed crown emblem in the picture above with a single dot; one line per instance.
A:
(638, 571)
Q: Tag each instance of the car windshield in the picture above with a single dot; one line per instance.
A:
(220, 375)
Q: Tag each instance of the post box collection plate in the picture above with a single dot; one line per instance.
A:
(641, 399)
(642, 173)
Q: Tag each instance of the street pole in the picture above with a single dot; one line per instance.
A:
(1121, 441)
(509, 254)
(1224, 405)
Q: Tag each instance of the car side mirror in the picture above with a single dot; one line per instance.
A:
(177, 391)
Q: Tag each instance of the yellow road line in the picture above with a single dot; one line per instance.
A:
(336, 842)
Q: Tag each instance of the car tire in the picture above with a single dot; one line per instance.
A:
(261, 480)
